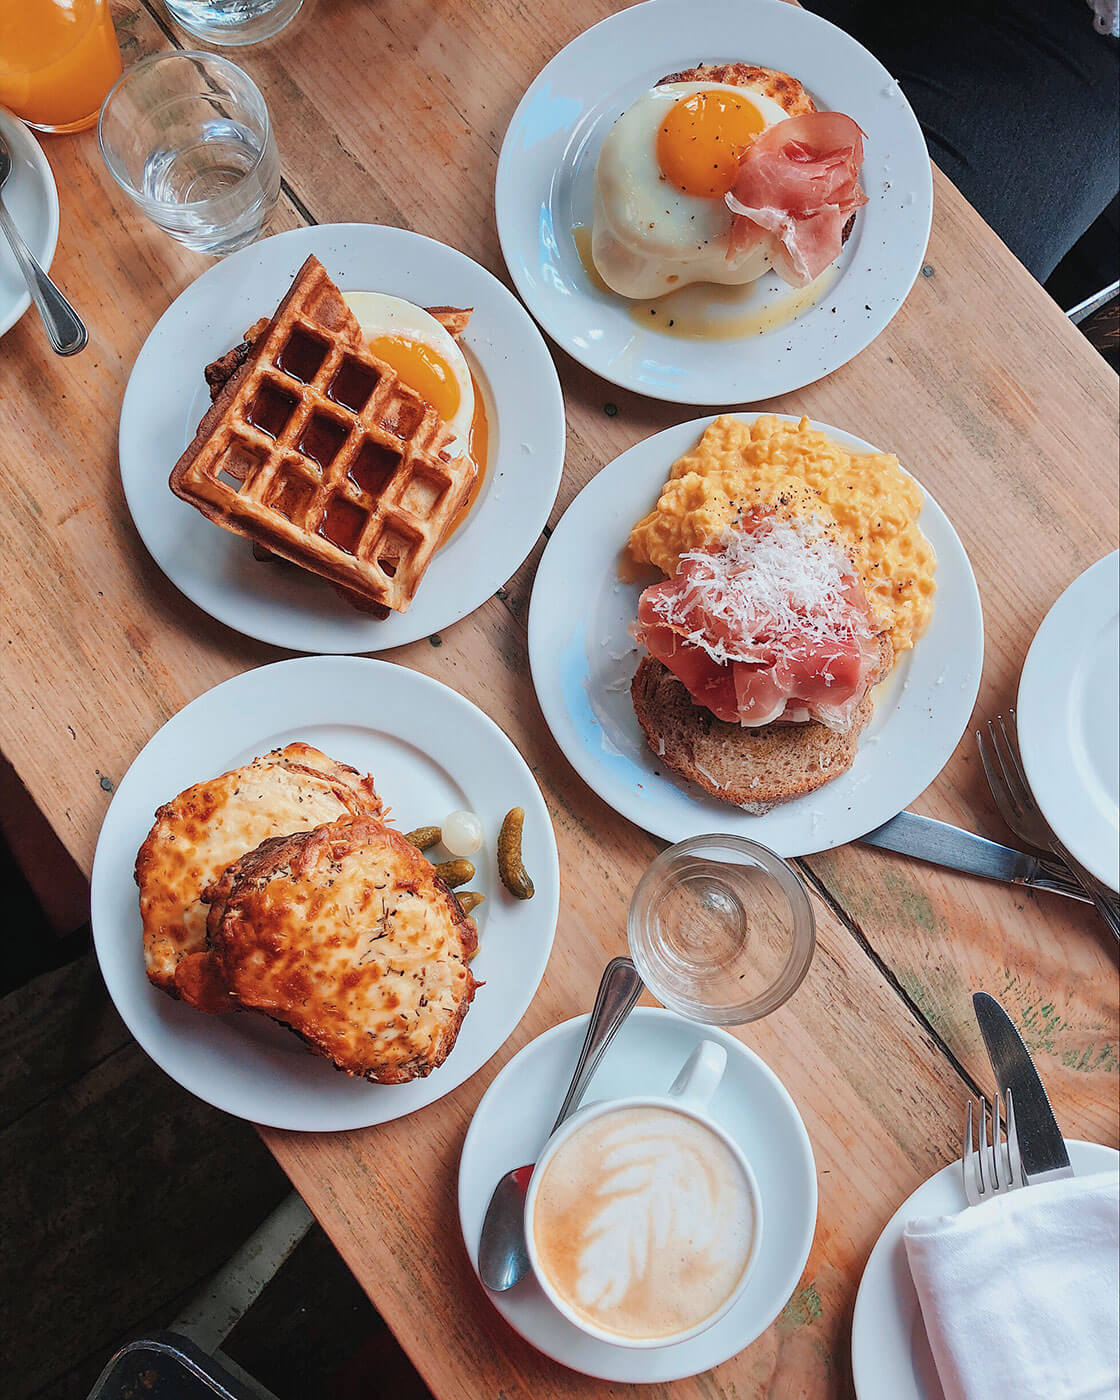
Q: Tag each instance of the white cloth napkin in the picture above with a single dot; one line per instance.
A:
(1021, 1295)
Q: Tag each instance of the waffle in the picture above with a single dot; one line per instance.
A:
(315, 450)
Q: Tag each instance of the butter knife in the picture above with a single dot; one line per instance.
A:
(942, 844)
(1041, 1145)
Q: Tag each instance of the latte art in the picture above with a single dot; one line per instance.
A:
(644, 1223)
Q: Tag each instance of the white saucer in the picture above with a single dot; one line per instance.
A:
(583, 659)
(511, 1125)
(1068, 718)
(31, 199)
(166, 397)
(430, 752)
(891, 1357)
(545, 186)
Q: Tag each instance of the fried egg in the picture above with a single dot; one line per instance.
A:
(660, 218)
(423, 353)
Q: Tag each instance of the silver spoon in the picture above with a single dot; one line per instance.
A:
(502, 1257)
(63, 324)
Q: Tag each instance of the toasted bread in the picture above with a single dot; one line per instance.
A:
(346, 935)
(780, 87)
(198, 833)
(754, 769)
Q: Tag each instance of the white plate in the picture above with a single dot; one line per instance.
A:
(583, 659)
(1068, 718)
(545, 186)
(31, 199)
(511, 1125)
(430, 752)
(891, 1357)
(166, 397)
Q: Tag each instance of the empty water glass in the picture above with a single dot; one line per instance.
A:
(232, 22)
(187, 136)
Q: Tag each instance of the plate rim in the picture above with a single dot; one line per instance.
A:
(1058, 633)
(44, 254)
(877, 322)
(587, 767)
(659, 1014)
(879, 1258)
(107, 934)
(548, 465)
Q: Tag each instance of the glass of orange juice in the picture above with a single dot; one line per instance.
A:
(58, 59)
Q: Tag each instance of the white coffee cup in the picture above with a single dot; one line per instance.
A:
(635, 1226)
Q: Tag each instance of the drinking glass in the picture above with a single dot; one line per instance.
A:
(187, 137)
(58, 59)
(232, 22)
(721, 929)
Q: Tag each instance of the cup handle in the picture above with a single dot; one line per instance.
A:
(700, 1075)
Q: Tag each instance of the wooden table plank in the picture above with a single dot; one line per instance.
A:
(395, 113)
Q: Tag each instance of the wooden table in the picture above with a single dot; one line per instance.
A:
(394, 112)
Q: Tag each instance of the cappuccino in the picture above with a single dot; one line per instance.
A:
(644, 1222)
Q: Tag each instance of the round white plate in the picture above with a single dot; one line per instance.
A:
(583, 660)
(545, 188)
(512, 1123)
(430, 752)
(166, 397)
(891, 1357)
(1068, 718)
(31, 199)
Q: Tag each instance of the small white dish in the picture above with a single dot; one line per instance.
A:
(753, 1108)
(891, 1356)
(430, 752)
(583, 659)
(1068, 718)
(31, 198)
(545, 186)
(166, 396)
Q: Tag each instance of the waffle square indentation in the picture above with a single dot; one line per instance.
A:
(272, 408)
(321, 438)
(291, 497)
(342, 524)
(404, 415)
(352, 385)
(373, 467)
(301, 357)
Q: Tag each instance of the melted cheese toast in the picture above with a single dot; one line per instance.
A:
(201, 831)
(346, 935)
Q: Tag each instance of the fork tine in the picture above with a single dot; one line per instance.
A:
(1009, 788)
(1014, 1159)
(985, 1171)
(968, 1160)
(1013, 768)
(998, 1183)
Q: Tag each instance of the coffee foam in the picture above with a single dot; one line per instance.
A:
(644, 1222)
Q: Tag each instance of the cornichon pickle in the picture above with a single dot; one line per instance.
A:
(469, 900)
(423, 837)
(455, 872)
(510, 865)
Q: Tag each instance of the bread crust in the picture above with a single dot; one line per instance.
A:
(346, 935)
(780, 87)
(754, 769)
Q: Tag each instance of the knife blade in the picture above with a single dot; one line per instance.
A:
(941, 844)
(1041, 1145)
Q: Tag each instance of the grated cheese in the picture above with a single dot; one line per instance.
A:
(782, 584)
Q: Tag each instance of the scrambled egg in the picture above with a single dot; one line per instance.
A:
(866, 503)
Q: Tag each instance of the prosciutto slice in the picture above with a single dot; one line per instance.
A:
(769, 623)
(799, 182)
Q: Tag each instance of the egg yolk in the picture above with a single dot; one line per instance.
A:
(703, 137)
(422, 369)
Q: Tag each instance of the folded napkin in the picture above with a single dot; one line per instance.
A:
(1021, 1295)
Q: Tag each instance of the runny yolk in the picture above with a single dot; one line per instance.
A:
(703, 137)
(422, 369)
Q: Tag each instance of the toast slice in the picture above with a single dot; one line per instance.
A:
(754, 769)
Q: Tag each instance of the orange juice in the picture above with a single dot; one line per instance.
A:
(58, 59)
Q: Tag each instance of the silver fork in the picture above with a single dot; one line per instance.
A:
(1003, 768)
(995, 1167)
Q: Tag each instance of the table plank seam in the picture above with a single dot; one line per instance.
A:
(852, 926)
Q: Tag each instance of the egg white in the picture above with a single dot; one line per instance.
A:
(379, 314)
(648, 237)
